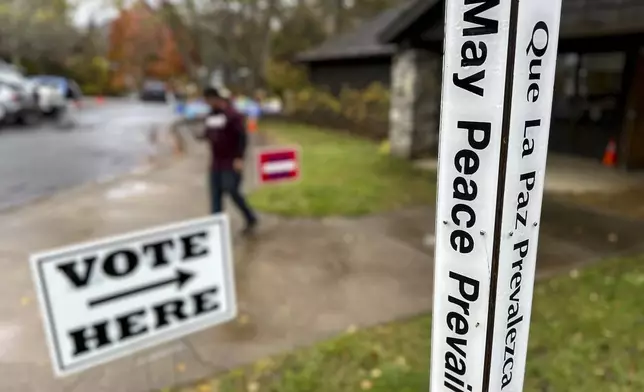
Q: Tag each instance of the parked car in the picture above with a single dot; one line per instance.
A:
(55, 91)
(154, 90)
(23, 95)
(51, 98)
(9, 104)
(19, 103)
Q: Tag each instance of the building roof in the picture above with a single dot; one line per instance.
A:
(580, 19)
(588, 18)
(424, 20)
(407, 20)
(359, 43)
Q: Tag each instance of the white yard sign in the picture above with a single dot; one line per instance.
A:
(498, 78)
(108, 299)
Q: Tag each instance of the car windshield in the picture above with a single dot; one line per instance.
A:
(7, 83)
(51, 82)
(11, 77)
(154, 85)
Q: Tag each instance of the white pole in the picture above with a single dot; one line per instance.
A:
(498, 80)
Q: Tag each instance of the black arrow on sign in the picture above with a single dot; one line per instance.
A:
(180, 279)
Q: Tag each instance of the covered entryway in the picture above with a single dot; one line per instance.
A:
(597, 98)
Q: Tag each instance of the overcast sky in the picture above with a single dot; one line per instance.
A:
(98, 10)
(92, 9)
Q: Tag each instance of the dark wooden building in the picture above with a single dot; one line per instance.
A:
(599, 90)
(354, 59)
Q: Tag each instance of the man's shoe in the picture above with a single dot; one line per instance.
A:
(249, 229)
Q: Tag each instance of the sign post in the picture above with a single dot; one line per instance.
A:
(108, 299)
(498, 79)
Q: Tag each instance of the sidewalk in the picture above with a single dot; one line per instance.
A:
(574, 175)
(299, 281)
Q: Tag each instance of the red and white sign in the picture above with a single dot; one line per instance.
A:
(278, 164)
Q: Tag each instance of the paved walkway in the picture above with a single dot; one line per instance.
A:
(574, 175)
(298, 282)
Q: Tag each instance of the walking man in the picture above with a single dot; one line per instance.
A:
(226, 132)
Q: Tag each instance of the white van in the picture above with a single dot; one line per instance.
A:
(20, 97)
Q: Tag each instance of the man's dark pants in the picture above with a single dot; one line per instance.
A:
(228, 182)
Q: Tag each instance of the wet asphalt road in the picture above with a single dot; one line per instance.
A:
(108, 140)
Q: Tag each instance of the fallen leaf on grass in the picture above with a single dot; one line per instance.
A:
(352, 329)
(204, 388)
(376, 373)
(264, 365)
(253, 387)
(181, 367)
(366, 385)
(599, 371)
(639, 280)
(243, 319)
(640, 345)
(576, 338)
(574, 274)
(401, 361)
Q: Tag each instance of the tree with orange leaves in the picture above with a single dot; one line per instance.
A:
(143, 46)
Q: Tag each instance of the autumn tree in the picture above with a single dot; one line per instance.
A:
(38, 30)
(142, 45)
(245, 36)
(300, 29)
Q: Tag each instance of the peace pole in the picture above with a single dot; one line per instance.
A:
(498, 80)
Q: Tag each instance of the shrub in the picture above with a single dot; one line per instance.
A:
(364, 112)
(92, 76)
(311, 101)
(282, 77)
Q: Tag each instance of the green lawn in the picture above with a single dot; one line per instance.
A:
(341, 175)
(587, 335)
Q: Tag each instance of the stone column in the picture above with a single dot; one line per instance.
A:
(415, 103)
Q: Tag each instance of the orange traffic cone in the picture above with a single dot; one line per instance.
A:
(177, 145)
(252, 125)
(610, 154)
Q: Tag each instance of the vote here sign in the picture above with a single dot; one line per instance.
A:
(498, 77)
(111, 298)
